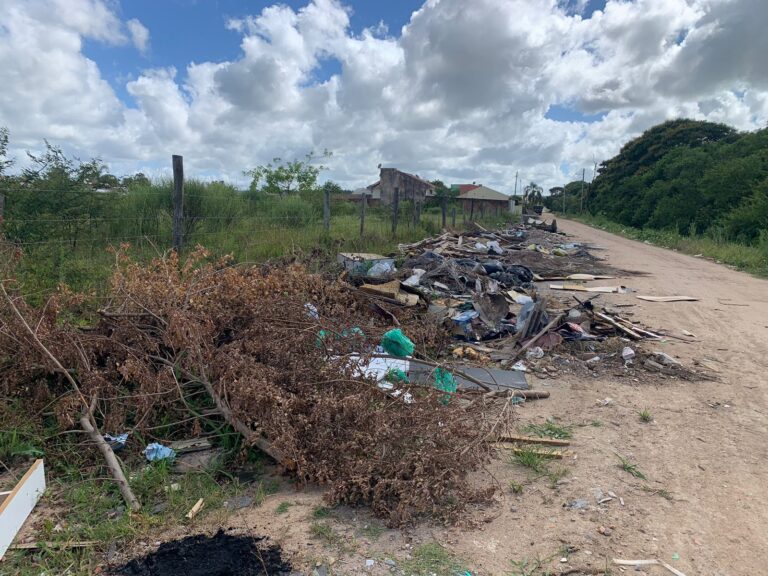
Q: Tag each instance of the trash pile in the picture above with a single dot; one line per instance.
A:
(482, 287)
(300, 366)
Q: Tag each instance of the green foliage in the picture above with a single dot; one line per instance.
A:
(281, 177)
(690, 177)
(630, 468)
(430, 558)
(550, 430)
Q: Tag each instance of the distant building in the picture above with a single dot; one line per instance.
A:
(480, 201)
(372, 194)
(409, 187)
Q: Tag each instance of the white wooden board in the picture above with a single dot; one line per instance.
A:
(18, 504)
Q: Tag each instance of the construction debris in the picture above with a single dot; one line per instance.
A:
(18, 503)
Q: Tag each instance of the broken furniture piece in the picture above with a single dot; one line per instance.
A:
(17, 504)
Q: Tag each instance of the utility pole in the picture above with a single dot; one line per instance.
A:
(581, 207)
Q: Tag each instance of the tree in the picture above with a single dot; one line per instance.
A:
(443, 191)
(282, 178)
(532, 194)
(5, 162)
(138, 179)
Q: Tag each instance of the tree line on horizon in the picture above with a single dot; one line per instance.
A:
(689, 176)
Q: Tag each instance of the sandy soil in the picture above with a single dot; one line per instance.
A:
(705, 450)
(706, 447)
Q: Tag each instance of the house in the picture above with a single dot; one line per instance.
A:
(480, 201)
(409, 187)
(372, 194)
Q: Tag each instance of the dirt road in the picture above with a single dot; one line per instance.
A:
(702, 509)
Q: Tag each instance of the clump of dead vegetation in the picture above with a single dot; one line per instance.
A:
(244, 338)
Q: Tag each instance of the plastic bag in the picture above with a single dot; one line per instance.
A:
(381, 269)
(155, 451)
(445, 381)
(397, 343)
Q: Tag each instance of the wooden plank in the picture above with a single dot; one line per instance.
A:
(17, 505)
(36, 545)
(668, 298)
(195, 509)
(636, 563)
(534, 440)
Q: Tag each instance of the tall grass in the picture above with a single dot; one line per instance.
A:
(248, 226)
(753, 259)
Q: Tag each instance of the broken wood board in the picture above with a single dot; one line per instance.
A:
(393, 291)
(19, 503)
(557, 454)
(195, 509)
(595, 289)
(533, 440)
(54, 545)
(577, 277)
(668, 298)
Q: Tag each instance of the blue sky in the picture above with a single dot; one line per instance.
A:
(184, 31)
(477, 90)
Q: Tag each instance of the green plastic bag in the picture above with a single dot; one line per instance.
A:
(397, 343)
(445, 381)
(397, 376)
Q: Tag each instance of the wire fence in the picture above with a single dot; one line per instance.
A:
(68, 235)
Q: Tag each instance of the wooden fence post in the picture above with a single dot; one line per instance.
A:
(395, 209)
(327, 209)
(178, 202)
(453, 217)
(363, 202)
(444, 208)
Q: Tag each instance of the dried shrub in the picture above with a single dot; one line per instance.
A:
(168, 326)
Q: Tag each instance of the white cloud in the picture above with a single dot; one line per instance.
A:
(139, 35)
(461, 93)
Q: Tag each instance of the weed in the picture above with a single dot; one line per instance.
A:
(659, 492)
(430, 558)
(282, 508)
(372, 531)
(556, 475)
(550, 430)
(515, 487)
(325, 532)
(596, 423)
(627, 466)
(16, 443)
(645, 415)
(528, 567)
(321, 512)
(531, 458)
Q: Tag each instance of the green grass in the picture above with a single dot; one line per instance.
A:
(753, 259)
(324, 532)
(550, 430)
(531, 567)
(515, 487)
(321, 512)
(630, 468)
(283, 507)
(91, 509)
(431, 558)
(645, 415)
(372, 531)
(19, 443)
(531, 458)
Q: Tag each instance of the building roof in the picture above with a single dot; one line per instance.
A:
(483, 193)
(465, 187)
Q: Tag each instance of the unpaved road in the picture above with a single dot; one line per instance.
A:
(706, 450)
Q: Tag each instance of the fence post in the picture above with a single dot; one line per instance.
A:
(327, 209)
(453, 217)
(363, 202)
(178, 202)
(444, 208)
(395, 209)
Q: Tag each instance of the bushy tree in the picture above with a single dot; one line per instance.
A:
(281, 177)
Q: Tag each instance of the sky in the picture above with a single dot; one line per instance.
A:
(462, 91)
